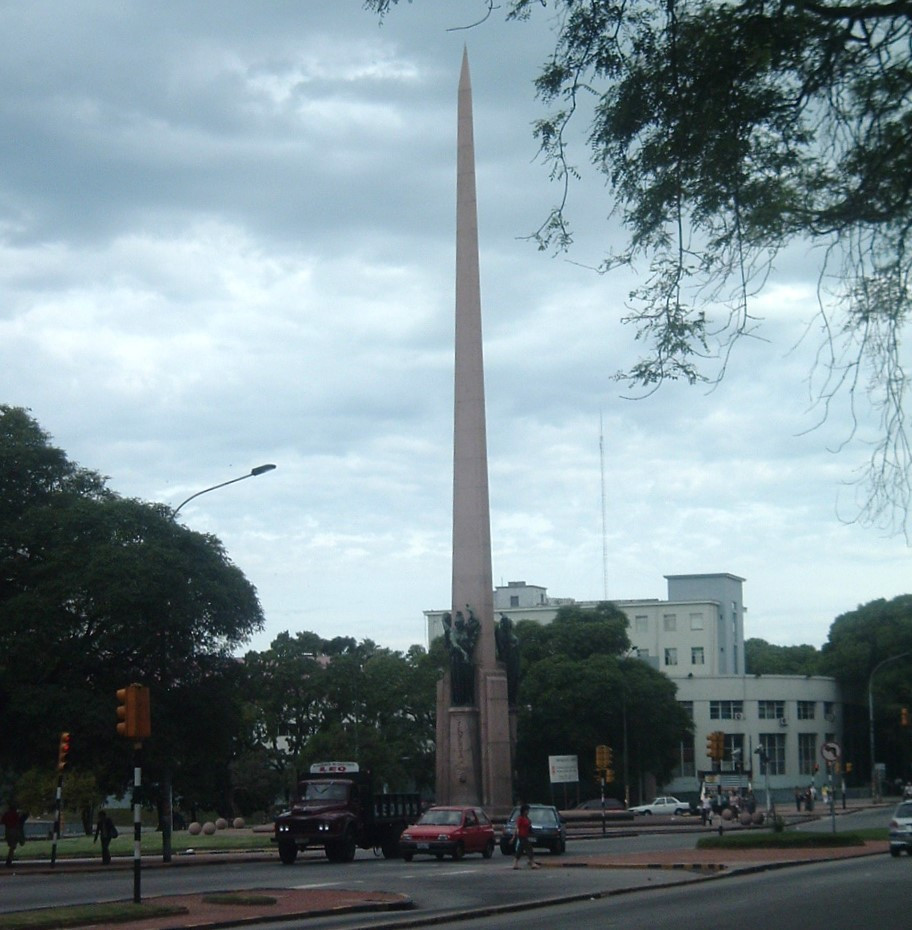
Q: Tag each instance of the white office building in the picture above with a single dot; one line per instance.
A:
(696, 637)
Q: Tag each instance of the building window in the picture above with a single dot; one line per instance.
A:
(726, 710)
(688, 708)
(696, 621)
(770, 710)
(774, 748)
(829, 711)
(671, 656)
(807, 753)
(696, 655)
(514, 600)
(806, 710)
(641, 623)
(670, 622)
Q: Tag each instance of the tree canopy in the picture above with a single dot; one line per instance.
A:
(579, 689)
(98, 591)
(725, 132)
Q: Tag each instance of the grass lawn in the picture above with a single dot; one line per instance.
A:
(788, 839)
(82, 847)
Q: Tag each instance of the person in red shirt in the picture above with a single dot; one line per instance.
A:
(524, 839)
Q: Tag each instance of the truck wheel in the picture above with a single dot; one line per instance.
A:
(288, 852)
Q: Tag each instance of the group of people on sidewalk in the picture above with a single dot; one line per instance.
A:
(13, 822)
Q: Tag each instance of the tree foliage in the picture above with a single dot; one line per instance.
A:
(726, 131)
(98, 591)
(871, 648)
(763, 658)
(579, 690)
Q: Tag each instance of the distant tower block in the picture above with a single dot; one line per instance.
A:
(473, 714)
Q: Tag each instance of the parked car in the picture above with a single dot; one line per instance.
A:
(449, 831)
(595, 804)
(900, 829)
(665, 805)
(548, 829)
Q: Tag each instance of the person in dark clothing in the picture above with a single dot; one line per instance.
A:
(12, 822)
(105, 831)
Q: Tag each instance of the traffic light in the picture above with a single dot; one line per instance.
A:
(133, 712)
(715, 745)
(904, 716)
(62, 749)
(602, 757)
(848, 768)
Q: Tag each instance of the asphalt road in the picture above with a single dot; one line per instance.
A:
(847, 895)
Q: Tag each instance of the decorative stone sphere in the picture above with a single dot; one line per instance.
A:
(195, 828)
(758, 817)
(238, 823)
(208, 828)
(221, 824)
(726, 813)
(745, 819)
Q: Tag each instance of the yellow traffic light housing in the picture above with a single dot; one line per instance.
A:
(134, 721)
(63, 749)
(904, 716)
(715, 745)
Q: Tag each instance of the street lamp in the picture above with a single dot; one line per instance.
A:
(259, 470)
(875, 784)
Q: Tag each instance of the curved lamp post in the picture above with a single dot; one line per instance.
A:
(875, 784)
(259, 470)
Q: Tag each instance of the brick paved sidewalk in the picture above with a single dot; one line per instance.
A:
(288, 903)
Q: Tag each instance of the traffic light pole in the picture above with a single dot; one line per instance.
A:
(137, 822)
(57, 807)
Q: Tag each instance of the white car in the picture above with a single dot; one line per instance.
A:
(665, 805)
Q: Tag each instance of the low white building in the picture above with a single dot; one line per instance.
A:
(696, 637)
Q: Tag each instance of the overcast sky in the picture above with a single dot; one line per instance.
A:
(227, 237)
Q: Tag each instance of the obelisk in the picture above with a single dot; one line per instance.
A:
(473, 720)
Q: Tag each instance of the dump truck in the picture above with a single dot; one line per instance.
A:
(337, 809)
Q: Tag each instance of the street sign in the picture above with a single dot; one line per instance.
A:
(830, 752)
(563, 769)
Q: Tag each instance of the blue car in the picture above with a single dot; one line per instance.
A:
(548, 829)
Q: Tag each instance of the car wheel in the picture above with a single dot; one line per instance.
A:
(894, 851)
(488, 851)
(459, 851)
(557, 848)
(407, 857)
(679, 811)
(647, 813)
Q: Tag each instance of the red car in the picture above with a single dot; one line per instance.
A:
(449, 831)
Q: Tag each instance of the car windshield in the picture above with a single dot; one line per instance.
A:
(320, 791)
(442, 818)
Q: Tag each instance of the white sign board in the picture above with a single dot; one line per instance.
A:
(563, 769)
(830, 752)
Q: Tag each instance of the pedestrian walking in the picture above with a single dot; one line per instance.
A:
(105, 831)
(706, 811)
(524, 839)
(12, 822)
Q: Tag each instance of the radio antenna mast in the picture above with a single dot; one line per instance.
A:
(604, 518)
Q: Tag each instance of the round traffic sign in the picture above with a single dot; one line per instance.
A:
(830, 752)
